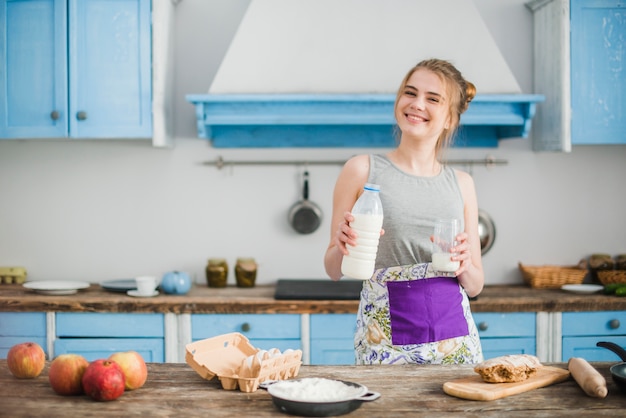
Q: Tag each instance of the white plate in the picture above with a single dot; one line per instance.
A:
(582, 288)
(56, 287)
(135, 293)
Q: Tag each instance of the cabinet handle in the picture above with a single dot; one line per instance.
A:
(55, 115)
(82, 115)
(245, 327)
(483, 326)
(614, 324)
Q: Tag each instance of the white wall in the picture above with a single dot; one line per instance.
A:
(96, 210)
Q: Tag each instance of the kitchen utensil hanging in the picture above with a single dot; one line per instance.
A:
(305, 216)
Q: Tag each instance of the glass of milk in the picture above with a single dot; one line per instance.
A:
(444, 235)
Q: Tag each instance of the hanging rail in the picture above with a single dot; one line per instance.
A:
(220, 163)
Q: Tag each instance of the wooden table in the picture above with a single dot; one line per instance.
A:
(406, 391)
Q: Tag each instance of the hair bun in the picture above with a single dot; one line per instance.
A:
(470, 93)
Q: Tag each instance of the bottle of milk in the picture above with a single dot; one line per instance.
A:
(368, 221)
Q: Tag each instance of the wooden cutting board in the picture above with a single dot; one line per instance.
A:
(476, 389)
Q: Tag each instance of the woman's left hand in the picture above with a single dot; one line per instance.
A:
(463, 253)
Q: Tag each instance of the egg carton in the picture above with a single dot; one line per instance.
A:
(12, 275)
(238, 364)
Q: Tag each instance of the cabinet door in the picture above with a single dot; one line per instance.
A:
(332, 338)
(264, 331)
(21, 327)
(33, 69)
(598, 41)
(98, 335)
(109, 67)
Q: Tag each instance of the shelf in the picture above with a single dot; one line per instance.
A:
(345, 120)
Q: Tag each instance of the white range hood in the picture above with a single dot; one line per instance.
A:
(324, 73)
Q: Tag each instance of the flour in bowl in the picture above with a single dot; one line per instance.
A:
(315, 389)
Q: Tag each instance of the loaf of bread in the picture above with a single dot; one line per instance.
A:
(506, 369)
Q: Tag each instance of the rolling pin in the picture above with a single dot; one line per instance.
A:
(587, 377)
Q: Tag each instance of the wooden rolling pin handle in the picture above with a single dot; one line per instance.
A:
(587, 377)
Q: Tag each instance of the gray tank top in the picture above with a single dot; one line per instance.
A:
(411, 204)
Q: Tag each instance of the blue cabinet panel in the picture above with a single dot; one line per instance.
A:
(598, 41)
(594, 323)
(75, 68)
(585, 347)
(264, 331)
(495, 347)
(332, 338)
(89, 324)
(582, 330)
(33, 50)
(507, 333)
(151, 349)
(110, 72)
(20, 327)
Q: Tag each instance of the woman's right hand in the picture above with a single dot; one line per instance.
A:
(345, 234)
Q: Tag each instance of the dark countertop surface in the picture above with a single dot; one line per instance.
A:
(175, 389)
(260, 299)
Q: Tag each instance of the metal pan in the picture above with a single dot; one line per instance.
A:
(618, 371)
(300, 403)
(486, 231)
(305, 216)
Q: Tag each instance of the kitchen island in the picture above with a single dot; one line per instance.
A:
(406, 391)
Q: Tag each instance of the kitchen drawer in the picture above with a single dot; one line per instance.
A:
(20, 327)
(151, 349)
(518, 324)
(264, 331)
(128, 325)
(594, 323)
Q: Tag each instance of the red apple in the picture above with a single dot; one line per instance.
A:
(26, 360)
(104, 380)
(133, 366)
(66, 374)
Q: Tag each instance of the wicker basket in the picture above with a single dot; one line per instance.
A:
(552, 277)
(611, 276)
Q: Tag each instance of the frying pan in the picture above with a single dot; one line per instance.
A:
(305, 216)
(295, 404)
(618, 371)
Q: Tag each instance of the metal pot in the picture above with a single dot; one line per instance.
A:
(305, 216)
(618, 371)
(486, 231)
(308, 408)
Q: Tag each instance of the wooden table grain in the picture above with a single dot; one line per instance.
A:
(174, 389)
(260, 299)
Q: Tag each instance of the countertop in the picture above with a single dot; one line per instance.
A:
(174, 389)
(260, 299)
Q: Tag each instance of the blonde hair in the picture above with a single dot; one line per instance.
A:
(460, 94)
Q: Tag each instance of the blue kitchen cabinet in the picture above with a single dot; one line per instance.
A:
(582, 330)
(507, 333)
(98, 335)
(75, 68)
(332, 338)
(598, 40)
(264, 331)
(21, 327)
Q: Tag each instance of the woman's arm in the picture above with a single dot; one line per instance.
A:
(470, 274)
(348, 188)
